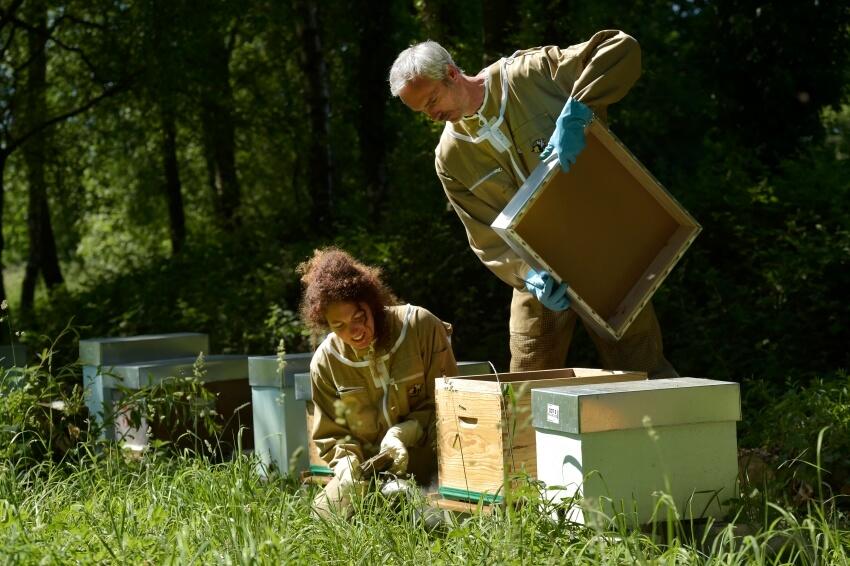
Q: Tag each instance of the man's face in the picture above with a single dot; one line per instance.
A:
(442, 101)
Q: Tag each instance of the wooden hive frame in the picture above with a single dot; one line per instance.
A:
(607, 227)
(484, 431)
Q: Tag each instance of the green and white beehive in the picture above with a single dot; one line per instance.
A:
(620, 445)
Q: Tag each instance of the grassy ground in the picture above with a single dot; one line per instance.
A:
(187, 510)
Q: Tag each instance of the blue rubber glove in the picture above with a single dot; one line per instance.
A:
(568, 138)
(550, 293)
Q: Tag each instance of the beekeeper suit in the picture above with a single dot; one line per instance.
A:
(383, 401)
(483, 158)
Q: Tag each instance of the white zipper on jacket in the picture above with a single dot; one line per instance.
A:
(491, 130)
(377, 365)
(326, 345)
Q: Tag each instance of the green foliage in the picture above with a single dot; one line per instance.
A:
(242, 292)
(761, 291)
(42, 413)
(788, 421)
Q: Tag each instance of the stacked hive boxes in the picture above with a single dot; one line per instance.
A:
(484, 432)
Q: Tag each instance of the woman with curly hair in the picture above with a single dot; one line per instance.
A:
(373, 375)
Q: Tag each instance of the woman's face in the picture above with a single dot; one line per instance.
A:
(352, 322)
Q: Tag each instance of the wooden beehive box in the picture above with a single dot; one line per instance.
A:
(484, 431)
(607, 227)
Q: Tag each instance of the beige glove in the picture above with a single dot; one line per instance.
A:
(336, 496)
(396, 441)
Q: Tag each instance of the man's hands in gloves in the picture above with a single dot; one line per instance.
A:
(396, 441)
(568, 139)
(550, 293)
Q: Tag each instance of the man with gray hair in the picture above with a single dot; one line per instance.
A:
(499, 124)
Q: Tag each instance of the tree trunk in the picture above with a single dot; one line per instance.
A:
(219, 132)
(173, 190)
(167, 71)
(42, 257)
(499, 18)
(3, 156)
(320, 175)
(375, 59)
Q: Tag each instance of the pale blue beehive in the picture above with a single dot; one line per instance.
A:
(280, 429)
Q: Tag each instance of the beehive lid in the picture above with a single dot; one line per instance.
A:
(263, 370)
(130, 349)
(634, 404)
(143, 374)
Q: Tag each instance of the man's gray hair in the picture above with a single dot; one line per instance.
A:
(427, 59)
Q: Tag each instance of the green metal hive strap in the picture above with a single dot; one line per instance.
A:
(469, 496)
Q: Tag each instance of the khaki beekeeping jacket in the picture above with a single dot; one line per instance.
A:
(483, 159)
(358, 399)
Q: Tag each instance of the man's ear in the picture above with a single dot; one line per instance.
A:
(452, 72)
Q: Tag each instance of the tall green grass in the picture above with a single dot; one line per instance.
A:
(184, 509)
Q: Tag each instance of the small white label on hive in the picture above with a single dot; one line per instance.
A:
(553, 413)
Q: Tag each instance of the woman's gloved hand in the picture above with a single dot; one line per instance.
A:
(336, 495)
(568, 139)
(347, 469)
(396, 441)
(550, 293)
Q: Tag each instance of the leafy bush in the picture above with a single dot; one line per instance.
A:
(42, 412)
(242, 291)
(787, 425)
(761, 292)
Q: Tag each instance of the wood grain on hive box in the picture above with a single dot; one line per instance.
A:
(607, 227)
(484, 431)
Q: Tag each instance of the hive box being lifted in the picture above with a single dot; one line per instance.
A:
(606, 227)
(620, 445)
(484, 432)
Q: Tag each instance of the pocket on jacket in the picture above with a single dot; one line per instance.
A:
(532, 138)
(411, 391)
(526, 311)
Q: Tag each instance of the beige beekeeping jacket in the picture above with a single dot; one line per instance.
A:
(358, 399)
(483, 159)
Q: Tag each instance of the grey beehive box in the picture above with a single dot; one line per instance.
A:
(99, 355)
(226, 376)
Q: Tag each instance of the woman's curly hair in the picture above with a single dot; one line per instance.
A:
(332, 276)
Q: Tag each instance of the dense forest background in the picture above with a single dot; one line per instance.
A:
(165, 164)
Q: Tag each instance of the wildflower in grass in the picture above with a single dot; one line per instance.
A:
(281, 355)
